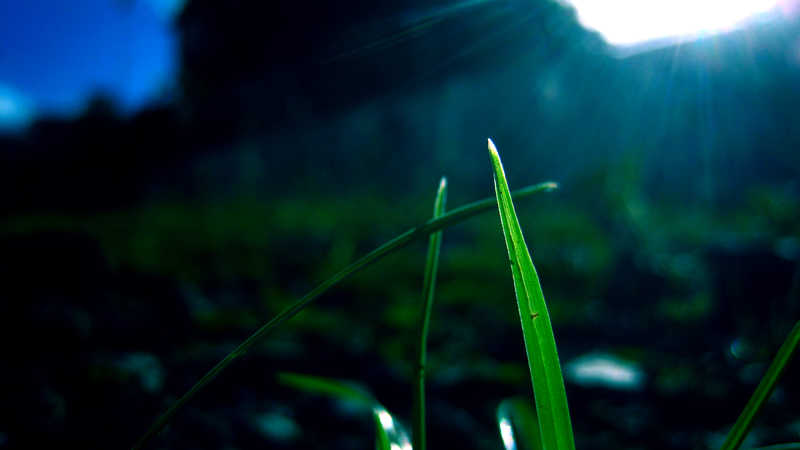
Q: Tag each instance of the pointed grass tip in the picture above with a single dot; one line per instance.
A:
(549, 186)
(492, 148)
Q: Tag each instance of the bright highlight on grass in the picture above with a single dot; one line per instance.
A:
(629, 22)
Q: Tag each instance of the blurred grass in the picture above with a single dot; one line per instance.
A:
(282, 247)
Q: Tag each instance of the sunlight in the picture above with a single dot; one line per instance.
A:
(629, 22)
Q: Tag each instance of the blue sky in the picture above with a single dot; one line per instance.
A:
(56, 54)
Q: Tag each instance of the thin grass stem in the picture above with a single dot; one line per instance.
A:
(428, 288)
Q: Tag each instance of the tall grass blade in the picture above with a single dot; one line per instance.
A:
(540, 344)
(428, 287)
(763, 391)
(447, 220)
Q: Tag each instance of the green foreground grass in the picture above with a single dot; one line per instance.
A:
(551, 417)
(172, 238)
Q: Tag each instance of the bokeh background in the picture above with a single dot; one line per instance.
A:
(175, 174)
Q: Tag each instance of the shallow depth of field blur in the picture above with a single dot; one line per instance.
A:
(144, 233)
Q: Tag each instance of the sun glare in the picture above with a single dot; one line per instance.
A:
(631, 22)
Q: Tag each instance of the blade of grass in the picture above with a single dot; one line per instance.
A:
(428, 287)
(540, 344)
(763, 391)
(388, 432)
(391, 434)
(447, 220)
(519, 424)
(340, 389)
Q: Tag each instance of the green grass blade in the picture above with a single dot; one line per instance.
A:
(540, 344)
(519, 424)
(388, 432)
(447, 220)
(763, 391)
(340, 389)
(428, 287)
(381, 436)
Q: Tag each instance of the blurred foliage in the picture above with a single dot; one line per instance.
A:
(284, 247)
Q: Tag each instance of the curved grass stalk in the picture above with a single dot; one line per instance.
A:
(763, 391)
(428, 287)
(446, 220)
(540, 344)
